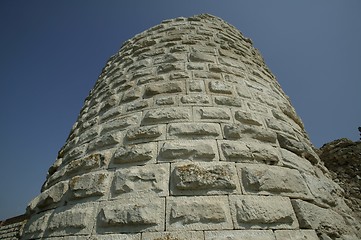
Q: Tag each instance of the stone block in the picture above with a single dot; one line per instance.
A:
(36, 225)
(323, 189)
(141, 180)
(272, 180)
(231, 63)
(105, 141)
(240, 235)
(135, 154)
(165, 115)
(204, 179)
(130, 236)
(168, 67)
(167, 100)
(204, 150)
(87, 163)
(258, 107)
(167, 87)
(49, 198)
(262, 212)
(198, 56)
(170, 58)
(247, 118)
(88, 135)
(194, 131)
(133, 215)
(296, 234)
(212, 114)
(136, 105)
(131, 94)
(291, 160)
(242, 91)
(220, 87)
(291, 144)
(111, 113)
(323, 220)
(146, 133)
(263, 152)
(121, 123)
(198, 213)
(188, 235)
(196, 99)
(235, 151)
(238, 131)
(195, 86)
(90, 184)
(72, 220)
(228, 101)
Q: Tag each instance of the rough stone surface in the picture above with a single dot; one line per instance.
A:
(187, 134)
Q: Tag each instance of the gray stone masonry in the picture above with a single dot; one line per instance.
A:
(188, 135)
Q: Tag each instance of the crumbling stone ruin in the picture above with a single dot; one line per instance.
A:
(187, 135)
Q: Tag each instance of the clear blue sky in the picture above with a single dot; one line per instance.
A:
(51, 53)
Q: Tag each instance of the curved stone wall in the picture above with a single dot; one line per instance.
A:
(187, 135)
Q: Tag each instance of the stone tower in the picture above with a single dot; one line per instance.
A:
(187, 135)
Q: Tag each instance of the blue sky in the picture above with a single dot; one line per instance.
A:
(51, 53)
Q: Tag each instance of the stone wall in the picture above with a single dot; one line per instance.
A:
(12, 228)
(187, 135)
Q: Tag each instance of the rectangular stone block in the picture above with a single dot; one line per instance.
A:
(146, 133)
(132, 94)
(197, 56)
(196, 86)
(203, 150)
(120, 123)
(165, 100)
(166, 87)
(235, 151)
(228, 101)
(212, 114)
(196, 99)
(204, 179)
(135, 154)
(72, 220)
(152, 179)
(242, 91)
(36, 225)
(291, 160)
(105, 141)
(194, 131)
(130, 236)
(247, 118)
(296, 234)
(183, 235)
(267, 180)
(133, 215)
(198, 213)
(49, 198)
(90, 184)
(240, 235)
(136, 105)
(264, 152)
(262, 212)
(220, 87)
(165, 115)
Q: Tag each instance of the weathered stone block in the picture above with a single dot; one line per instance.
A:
(263, 152)
(91, 184)
(188, 235)
(235, 151)
(204, 179)
(291, 144)
(196, 86)
(198, 56)
(198, 213)
(188, 150)
(130, 236)
(137, 154)
(140, 180)
(212, 114)
(170, 58)
(36, 225)
(72, 220)
(228, 101)
(146, 133)
(291, 160)
(136, 105)
(323, 189)
(238, 131)
(168, 100)
(49, 198)
(163, 115)
(121, 123)
(247, 118)
(167, 87)
(92, 161)
(88, 135)
(105, 141)
(268, 180)
(242, 91)
(196, 99)
(261, 212)
(169, 67)
(220, 87)
(133, 215)
(240, 235)
(132, 94)
(296, 235)
(325, 220)
(194, 130)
